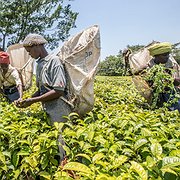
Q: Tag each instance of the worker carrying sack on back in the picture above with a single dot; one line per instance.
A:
(80, 57)
(64, 85)
(143, 61)
(10, 82)
(137, 62)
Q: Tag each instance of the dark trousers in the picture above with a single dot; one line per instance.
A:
(168, 97)
(11, 93)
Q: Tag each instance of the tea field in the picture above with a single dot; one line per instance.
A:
(120, 139)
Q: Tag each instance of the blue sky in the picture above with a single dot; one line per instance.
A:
(129, 22)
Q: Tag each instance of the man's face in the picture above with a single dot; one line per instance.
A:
(162, 58)
(33, 51)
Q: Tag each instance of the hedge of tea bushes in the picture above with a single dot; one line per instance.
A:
(121, 138)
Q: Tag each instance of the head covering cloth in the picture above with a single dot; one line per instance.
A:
(160, 48)
(4, 58)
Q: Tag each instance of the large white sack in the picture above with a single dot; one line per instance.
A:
(20, 59)
(81, 57)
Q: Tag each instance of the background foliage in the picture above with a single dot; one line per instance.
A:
(51, 18)
(112, 66)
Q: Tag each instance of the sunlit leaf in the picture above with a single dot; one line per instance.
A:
(5, 133)
(85, 156)
(140, 143)
(97, 157)
(156, 149)
(169, 170)
(44, 161)
(139, 169)
(105, 177)
(175, 153)
(91, 135)
(45, 175)
(2, 158)
(171, 161)
(75, 166)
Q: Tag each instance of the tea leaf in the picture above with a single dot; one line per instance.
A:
(15, 158)
(139, 169)
(97, 157)
(140, 143)
(156, 149)
(85, 156)
(75, 166)
(171, 160)
(45, 175)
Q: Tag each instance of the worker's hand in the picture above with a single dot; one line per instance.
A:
(18, 102)
(23, 103)
(168, 71)
(20, 99)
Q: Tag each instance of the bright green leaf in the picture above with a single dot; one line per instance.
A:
(139, 169)
(85, 156)
(75, 166)
(45, 175)
(140, 143)
(97, 157)
(156, 150)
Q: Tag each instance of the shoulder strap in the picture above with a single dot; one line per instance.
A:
(30, 59)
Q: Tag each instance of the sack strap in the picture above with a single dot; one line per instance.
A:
(68, 102)
(21, 69)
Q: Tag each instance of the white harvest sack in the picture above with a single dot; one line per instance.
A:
(80, 56)
(139, 61)
(20, 59)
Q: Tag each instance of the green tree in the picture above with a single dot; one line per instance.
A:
(115, 65)
(51, 18)
(111, 66)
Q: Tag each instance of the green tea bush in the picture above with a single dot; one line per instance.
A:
(118, 139)
(161, 80)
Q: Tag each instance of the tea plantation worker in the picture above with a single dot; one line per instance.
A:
(161, 55)
(125, 53)
(50, 80)
(10, 82)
